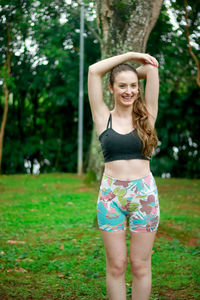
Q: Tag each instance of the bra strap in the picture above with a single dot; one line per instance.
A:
(109, 122)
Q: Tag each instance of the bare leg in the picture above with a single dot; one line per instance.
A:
(116, 261)
(140, 259)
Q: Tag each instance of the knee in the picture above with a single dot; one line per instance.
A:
(117, 268)
(140, 268)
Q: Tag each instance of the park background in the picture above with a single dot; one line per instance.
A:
(46, 253)
(39, 43)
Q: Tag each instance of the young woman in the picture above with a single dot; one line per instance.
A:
(128, 187)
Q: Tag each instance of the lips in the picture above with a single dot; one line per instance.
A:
(127, 98)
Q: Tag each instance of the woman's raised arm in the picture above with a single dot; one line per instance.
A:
(150, 73)
(100, 111)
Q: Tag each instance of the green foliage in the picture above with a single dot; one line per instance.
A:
(179, 102)
(43, 115)
(9, 81)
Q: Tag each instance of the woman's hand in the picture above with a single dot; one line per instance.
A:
(145, 58)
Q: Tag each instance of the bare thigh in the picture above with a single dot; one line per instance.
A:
(141, 248)
(115, 247)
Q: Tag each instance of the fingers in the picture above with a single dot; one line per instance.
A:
(151, 60)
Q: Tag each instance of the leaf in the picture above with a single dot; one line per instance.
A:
(17, 270)
(133, 206)
(62, 246)
(15, 242)
(122, 200)
(20, 270)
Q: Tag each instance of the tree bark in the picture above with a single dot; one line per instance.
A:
(123, 26)
(189, 44)
(7, 70)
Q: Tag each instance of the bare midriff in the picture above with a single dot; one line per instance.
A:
(127, 169)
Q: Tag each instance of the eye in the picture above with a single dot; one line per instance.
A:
(122, 85)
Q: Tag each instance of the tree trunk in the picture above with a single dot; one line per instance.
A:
(7, 70)
(123, 26)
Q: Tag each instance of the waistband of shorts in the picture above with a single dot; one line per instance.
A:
(108, 176)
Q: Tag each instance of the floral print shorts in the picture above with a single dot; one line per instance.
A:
(136, 198)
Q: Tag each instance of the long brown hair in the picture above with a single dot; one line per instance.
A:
(145, 131)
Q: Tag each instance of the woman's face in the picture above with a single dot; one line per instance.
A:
(125, 88)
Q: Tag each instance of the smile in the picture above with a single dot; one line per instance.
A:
(127, 98)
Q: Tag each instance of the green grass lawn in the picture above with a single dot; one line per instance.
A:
(50, 247)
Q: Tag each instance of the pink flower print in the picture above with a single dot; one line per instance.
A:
(115, 227)
(148, 227)
(112, 213)
(109, 181)
(122, 183)
(112, 210)
(107, 197)
(145, 204)
(147, 180)
(140, 229)
(111, 216)
(154, 210)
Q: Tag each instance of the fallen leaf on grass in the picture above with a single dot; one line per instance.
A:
(29, 259)
(62, 246)
(20, 270)
(24, 259)
(17, 270)
(15, 242)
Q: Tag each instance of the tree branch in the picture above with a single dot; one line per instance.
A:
(189, 44)
(93, 31)
(6, 92)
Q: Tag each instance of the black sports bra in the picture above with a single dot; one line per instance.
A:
(116, 146)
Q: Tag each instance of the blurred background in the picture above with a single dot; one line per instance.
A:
(39, 86)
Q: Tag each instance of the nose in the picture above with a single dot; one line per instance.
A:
(128, 89)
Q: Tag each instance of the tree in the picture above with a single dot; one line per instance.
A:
(179, 104)
(123, 26)
(6, 76)
(13, 19)
(41, 124)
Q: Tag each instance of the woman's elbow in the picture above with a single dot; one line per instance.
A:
(91, 69)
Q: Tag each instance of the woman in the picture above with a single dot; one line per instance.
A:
(128, 188)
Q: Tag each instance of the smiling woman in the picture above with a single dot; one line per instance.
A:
(128, 187)
(124, 83)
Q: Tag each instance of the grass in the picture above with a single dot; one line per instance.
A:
(50, 247)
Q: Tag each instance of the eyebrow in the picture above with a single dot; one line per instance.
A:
(126, 83)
